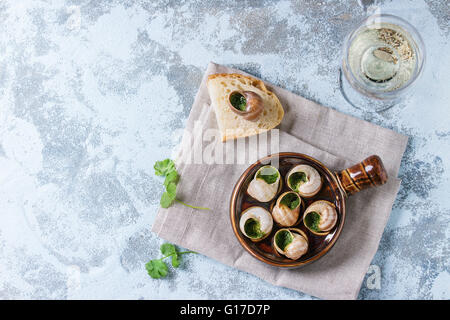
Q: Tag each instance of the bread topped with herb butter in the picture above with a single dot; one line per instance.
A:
(263, 107)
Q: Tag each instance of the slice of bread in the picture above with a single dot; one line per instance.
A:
(231, 125)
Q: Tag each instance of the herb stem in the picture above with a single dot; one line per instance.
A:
(175, 253)
(187, 252)
(193, 207)
(167, 256)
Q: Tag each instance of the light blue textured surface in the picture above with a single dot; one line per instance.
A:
(93, 92)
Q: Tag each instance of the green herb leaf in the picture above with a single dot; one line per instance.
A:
(167, 199)
(164, 167)
(176, 261)
(297, 179)
(168, 249)
(172, 177)
(167, 168)
(171, 189)
(156, 269)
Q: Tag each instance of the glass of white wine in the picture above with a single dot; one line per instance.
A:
(382, 58)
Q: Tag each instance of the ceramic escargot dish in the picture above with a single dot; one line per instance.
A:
(288, 209)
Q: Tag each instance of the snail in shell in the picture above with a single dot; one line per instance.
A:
(320, 217)
(287, 209)
(247, 104)
(266, 184)
(291, 242)
(256, 223)
(305, 180)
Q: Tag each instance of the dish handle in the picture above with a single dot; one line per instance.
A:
(368, 173)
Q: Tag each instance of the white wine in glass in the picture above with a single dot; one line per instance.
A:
(383, 56)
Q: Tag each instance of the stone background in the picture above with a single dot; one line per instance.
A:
(92, 93)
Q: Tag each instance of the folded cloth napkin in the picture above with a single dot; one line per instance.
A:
(335, 139)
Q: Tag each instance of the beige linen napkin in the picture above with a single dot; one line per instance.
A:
(333, 138)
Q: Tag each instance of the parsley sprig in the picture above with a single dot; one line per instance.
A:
(157, 268)
(166, 168)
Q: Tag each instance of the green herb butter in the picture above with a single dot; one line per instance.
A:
(290, 200)
(253, 229)
(297, 179)
(238, 101)
(283, 239)
(312, 221)
(268, 174)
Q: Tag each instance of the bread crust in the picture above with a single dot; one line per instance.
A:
(258, 84)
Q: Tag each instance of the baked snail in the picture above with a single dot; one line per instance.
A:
(320, 217)
(305, 180)
(247, 104)
(265, 185)
(291, 242)
(256, 223)
(287, 209)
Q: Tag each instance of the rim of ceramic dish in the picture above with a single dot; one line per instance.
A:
(243, 241)
(418, 44)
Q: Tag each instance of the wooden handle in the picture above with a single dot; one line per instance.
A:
(368, 173)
